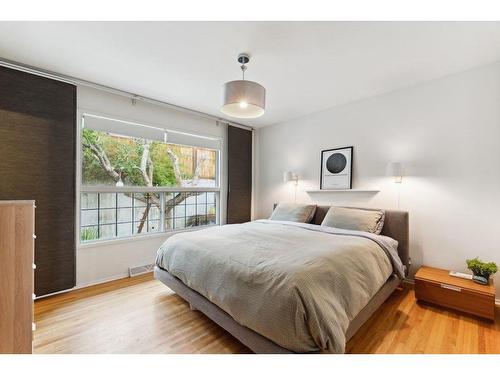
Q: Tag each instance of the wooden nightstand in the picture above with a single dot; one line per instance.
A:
(437, 286)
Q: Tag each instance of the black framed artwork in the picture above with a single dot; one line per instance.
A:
(336, 169)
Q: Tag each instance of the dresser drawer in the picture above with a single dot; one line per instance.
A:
(456, 297)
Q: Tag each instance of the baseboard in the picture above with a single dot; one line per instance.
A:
(101, 281)
(86, 285)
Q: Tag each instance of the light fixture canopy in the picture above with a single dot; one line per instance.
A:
(242, 98)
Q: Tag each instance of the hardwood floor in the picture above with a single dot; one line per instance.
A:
(403, 325)
(137, 315)
(141, 315)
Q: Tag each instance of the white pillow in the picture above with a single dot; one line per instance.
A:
(300, 213)
(371, 221)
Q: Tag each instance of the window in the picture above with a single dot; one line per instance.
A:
(136, 186)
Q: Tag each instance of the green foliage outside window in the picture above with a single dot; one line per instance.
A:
(89, 234)
(124, 155)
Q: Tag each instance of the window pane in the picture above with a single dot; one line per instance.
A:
(201, 198)
(201, 209)
(107, 200)
(124, 200)
(211, 209)
(124, 230)
(190, 198)
(154, 199)
(89, 233)
(89, 200)
(179, 223)
(197, 166)
(211, 219)
(88, 217)
(180, 211)
(140, 228)
(124, 214)
(107, 231)
(175, 198)
(169, 225)
(191, 210)
(154, 225)
(169, 197)
(154, 213)
(211, 197)
(202, 220)
(140, 200)
(191, 221)
(107, 216)
(139, 213)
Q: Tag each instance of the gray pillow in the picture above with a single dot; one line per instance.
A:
(300, 213)
(371, 221)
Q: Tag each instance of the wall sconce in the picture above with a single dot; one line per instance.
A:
(395, 170)
(290, 176)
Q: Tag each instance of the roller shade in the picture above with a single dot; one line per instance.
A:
(129, 129)
(192, 140)
(136, 130)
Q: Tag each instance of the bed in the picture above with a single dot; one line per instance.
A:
(278, 287)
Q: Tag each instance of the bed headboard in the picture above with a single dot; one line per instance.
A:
(396, 225)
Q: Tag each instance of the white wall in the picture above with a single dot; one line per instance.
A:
(110, 260)
(447, 134)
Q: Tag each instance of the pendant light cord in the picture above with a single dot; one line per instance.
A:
(243, 68)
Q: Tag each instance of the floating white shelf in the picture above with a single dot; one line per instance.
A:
(343, 191)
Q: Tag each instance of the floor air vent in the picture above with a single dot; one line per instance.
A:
(139, 270)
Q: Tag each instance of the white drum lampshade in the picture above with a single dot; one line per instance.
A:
(241, 98)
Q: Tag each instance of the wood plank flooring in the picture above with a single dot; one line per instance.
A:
(137, 315)
(141, 315)
(402, 325)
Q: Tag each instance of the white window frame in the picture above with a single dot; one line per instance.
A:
(218, 189)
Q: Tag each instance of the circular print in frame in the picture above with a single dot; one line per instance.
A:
(336, 163)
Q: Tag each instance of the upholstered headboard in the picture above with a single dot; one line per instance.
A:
(396, 225)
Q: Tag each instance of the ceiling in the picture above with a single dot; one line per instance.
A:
(305, 66)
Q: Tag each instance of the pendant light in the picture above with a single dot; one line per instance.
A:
(243, 99)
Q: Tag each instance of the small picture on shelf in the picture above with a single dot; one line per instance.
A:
(336, 169)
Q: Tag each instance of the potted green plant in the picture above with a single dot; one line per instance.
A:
(480, 268)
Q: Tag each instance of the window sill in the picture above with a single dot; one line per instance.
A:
(141, 237)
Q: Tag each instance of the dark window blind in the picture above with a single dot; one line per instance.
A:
(239, 197)
(37, 161)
